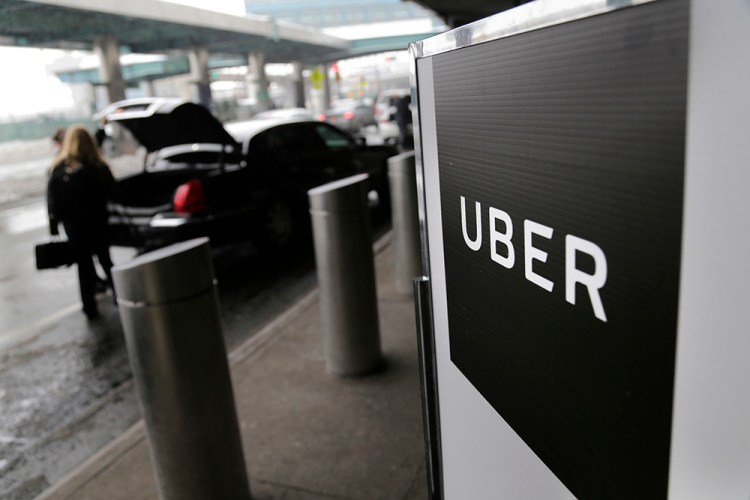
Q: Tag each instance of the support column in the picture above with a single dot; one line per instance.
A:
(147, 87)
(299, 85)
(319, 95)
(110, 71)
(326, 88)
(200, 79)
(257, 83)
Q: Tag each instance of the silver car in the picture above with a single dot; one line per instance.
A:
(350, 114)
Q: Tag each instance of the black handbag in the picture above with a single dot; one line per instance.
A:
(53, 254)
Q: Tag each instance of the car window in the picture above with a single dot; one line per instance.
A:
(259, 149)
(288, 141)
(333, 138)
(184, 157)
(305, 138)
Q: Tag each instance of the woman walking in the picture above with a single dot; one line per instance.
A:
(79, 187)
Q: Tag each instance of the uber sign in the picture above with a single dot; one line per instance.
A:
(561, 163)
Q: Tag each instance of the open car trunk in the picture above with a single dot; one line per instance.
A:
(151, 191)
(138, 199)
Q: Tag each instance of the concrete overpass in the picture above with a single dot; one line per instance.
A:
(148, 26)
(151, 26)
(460, 12)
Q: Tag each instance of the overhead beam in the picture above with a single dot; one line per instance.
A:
(151, 26)
(456, 14)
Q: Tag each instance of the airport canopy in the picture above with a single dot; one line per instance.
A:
(457, 13)
(153, 26)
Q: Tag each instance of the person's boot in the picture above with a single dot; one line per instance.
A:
(100, 286)
(91, 313)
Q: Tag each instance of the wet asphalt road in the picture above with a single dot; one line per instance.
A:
(65, 382)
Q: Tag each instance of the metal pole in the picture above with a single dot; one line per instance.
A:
(405, 214)
(346, 276)
(170, 315)
(428, 380)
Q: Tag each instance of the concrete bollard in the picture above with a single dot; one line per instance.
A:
(170, 315)
(346, 276)
(405, 214)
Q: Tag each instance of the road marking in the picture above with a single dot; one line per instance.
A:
(26, 169)
(27, 333)
(11, 439)
(22, 219)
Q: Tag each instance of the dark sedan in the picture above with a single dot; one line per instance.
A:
(248, 180)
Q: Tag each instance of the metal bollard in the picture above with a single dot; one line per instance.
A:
(405, 214)
(170, 315)
(346, 276)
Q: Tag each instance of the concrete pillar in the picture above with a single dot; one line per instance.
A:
(147, 87)
(316, 93)
(200, 78)
(299, 85)
(110, 71)
(326, 88)
(257, 83)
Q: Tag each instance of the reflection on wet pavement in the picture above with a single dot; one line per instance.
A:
(50, 387)
(67, 390)
(23, 219)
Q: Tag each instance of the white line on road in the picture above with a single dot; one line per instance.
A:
(22, 219)
(27, 333)
(11, 439)
(26, 169)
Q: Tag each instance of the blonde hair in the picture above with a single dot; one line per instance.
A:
(79, 148)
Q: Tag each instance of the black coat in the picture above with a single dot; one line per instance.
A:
(78, 198)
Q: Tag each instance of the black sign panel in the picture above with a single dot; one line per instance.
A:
(564, 147)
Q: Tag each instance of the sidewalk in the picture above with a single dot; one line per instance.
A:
(306, 434)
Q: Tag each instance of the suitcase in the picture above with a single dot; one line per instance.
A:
(53, 254)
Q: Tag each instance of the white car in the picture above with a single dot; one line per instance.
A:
(285, 113)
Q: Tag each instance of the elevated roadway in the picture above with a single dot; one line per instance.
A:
(457, 13)
(152, 26)
(209, 39)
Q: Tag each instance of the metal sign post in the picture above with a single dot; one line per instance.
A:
(582, 207)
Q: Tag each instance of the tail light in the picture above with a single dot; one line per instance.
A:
(321, 118)
(189, 198)
(348, 115)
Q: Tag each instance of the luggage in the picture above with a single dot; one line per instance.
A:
(53, 254)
